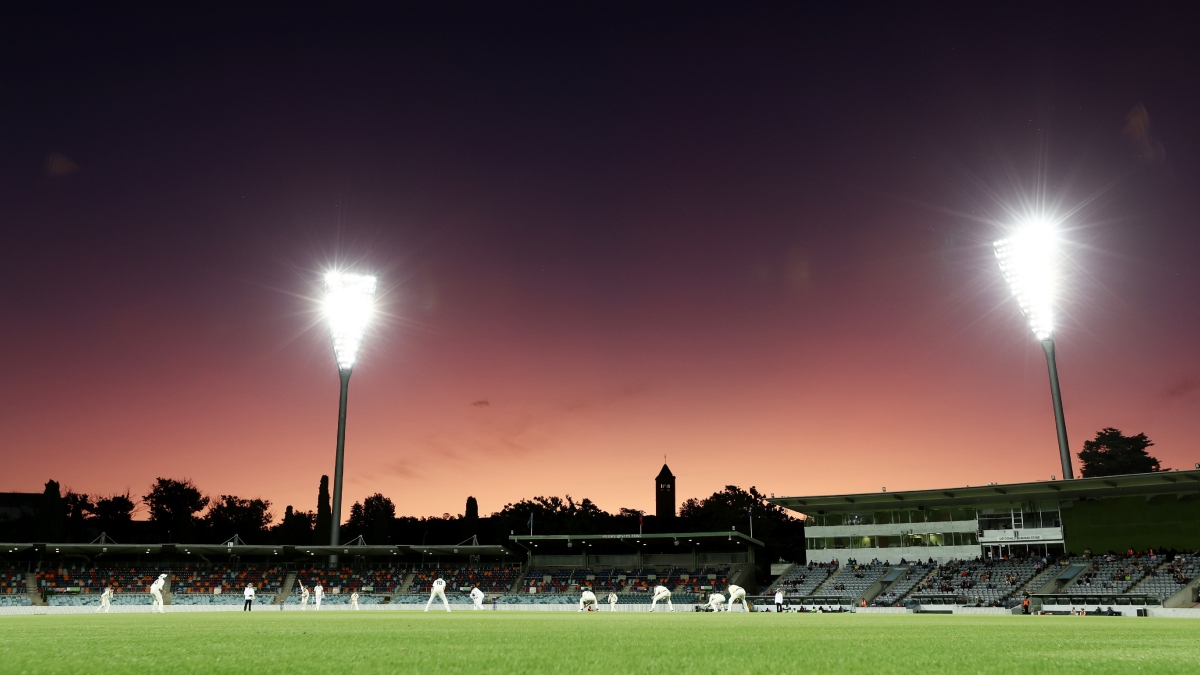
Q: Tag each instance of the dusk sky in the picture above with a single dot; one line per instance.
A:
(752, 237)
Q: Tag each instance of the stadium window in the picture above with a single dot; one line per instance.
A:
(884, 517)
(938, 515)
(936, 539)
(863, 542)
(859, 519)
(888, 541)
(912, 516)
(963, 513)
(840, 542)
(815, 543)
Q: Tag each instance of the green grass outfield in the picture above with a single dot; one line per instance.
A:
(529, 642)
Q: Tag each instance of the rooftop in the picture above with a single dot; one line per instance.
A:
(1141, 484)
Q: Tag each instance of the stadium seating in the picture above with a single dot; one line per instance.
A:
(209, 599)
(187, 580)
(803, 580)
(95, 580)
(93, 599)
(456, 598)
(915, 574)
(15, 601)
(852, 580)
(638, 581)
(1112, 573)
(1165, 580)
(191, 581)
(12, 582)
(349, 579)
(979, 581)
(489, 579)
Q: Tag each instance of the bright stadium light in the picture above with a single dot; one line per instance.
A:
(349, 305)
(1029, 262)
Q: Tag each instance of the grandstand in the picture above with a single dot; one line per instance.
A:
(489, 579)
(1171, 577)
(1047, 518)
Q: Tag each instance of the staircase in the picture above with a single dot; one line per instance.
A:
(817, 589)
(32, 590)
(1038, 581)
(891, 578)
(285, 591)
(406, 585)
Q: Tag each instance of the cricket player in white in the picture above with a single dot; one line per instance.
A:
(612, 602)
(587, 601)
(661, 593)
(303, 597)
(737, 593)
(438, 591)
(105, 600)
(354, 600)
(715, 601)
(249, 595)
(156, 605)
(477, 597)
(318, 594)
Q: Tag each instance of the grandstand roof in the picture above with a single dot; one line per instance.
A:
(731, 534)
(1142, 484)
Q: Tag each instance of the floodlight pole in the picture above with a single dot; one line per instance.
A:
(1064, 448)
(335, 525)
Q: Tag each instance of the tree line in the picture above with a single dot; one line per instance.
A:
(178, 511)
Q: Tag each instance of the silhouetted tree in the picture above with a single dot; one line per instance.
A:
(372, 519)
(173, 507)
(247, 518)
(51, 515)
(113, 516)
(77, 506)
(472, 511)
(296, 528)
(324, 515)
(782, 535)
(1111, 454)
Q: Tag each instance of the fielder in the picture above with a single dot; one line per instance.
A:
(303, 597)
(438, 591)
(477, 597)
(737, 593)
(587, 601)
(715, 601)
(612, 602)
(354, 600)
(661, 593)
(318, 593)
(105, 600)
(156, 605)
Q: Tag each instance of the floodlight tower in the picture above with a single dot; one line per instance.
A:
(349, 305)
(1029, 261)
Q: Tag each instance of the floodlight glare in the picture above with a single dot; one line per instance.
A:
(1028, 259)
(349, 305)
